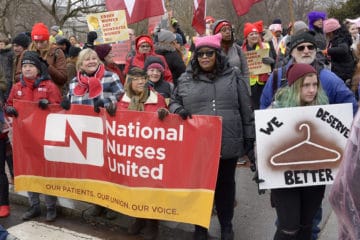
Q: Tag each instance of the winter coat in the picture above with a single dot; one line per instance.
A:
(56, 66)
(111, 90)
(46, 89)
(342, 60)
(173, 60)
(6, 71)
(319, 38)
(237, 58)
(152, 104)
(139, 59)
(334, 87)
(226, 96)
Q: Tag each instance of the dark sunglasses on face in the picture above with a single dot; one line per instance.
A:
(207, 54)
(302, 48)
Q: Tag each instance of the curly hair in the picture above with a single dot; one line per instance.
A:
(220, 63)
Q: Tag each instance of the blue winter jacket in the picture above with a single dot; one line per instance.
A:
(335, 89)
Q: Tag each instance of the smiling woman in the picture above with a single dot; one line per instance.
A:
(211, 86)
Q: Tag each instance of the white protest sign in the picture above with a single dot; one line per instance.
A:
(301, 146)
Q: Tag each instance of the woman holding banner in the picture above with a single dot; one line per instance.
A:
(140, 97)
(296, 207)
(210, 86)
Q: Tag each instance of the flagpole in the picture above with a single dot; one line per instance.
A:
(291, 10)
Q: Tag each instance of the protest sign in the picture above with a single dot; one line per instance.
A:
(254, 61)
(301, 146)
(111, 27)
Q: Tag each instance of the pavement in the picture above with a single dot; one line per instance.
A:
(253, 220)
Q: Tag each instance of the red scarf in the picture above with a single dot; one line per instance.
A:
(90, 84)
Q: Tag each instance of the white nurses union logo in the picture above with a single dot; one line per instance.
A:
(74, 139)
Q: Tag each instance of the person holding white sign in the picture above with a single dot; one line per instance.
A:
(297, 206)
(211, 86)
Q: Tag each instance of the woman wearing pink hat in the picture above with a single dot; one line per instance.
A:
(338, 49)
(210, 86)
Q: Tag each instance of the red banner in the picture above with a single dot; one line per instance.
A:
(132, 163)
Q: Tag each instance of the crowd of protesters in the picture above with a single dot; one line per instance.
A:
(209, 75)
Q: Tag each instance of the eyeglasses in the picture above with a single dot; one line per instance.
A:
(207, 54)
(224, 29)
(145, 46)
(138, 79)
(302, 48)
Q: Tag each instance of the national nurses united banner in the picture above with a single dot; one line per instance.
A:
(301, 146)
(132, 163)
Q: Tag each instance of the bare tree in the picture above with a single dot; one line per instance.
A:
(62, 10)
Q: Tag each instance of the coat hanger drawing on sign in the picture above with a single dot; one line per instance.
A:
(306, 141)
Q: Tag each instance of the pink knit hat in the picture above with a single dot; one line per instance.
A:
(212, 41)
(330, 25)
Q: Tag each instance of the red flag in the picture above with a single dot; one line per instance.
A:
(137, 10)
(198, 21)
(243, 6)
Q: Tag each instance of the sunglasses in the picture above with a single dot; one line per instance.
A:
(207, 54)
(302, 48)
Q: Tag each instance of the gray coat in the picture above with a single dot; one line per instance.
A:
(226, 96)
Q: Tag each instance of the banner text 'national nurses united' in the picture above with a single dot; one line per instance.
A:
(132, 163)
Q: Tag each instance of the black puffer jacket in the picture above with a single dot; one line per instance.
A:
(173, 60)
(226, 96)
(342, 61)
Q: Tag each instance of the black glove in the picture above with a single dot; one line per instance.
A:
(11, 111)
(65, 103)
(97, 104)
(184, 114)
(268, 60)
(251, 156)
(248, 145)
(257, 180)
(91, 37)
(43, 103)
(162, 113)
(111, 109)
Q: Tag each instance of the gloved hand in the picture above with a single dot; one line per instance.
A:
(65, 103)
(11, 111)
(248, 145)
(162, 113)
(111, 109)
(268, 60)
(97, 104)
(184, 114)
(251, 156)
(91, 37)
(43, 103)
(257, 180)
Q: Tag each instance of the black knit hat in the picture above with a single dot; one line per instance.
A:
(22, 40)
(31, 57)
(153, 59)
(74, 51)
(308, 36)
